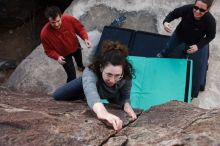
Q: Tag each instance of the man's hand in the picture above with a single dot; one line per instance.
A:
(61, 60)
(167, 27)
(192, 49)
(88, 43)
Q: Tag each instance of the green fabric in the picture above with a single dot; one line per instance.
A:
(158, 80)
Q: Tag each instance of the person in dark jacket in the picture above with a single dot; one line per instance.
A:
(196, 28)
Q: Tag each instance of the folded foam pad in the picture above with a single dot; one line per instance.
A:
(123, 36)
(148, 44)
(160, 80)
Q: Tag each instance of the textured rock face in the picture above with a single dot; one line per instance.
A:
(35, 73)
(27, 119)
(101, 15)
(39, 120)
(172, 124)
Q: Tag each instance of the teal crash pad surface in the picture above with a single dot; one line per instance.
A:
(159, 80)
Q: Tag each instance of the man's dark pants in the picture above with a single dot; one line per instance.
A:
(69, 65)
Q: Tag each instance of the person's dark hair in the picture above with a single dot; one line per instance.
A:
(52, 12)
(207, 2)
(114, 53)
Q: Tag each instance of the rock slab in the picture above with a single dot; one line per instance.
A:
(30, 119)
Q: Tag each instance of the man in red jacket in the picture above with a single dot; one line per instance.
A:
(60, 42)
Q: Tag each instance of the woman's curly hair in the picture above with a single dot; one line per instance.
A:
(114, 53)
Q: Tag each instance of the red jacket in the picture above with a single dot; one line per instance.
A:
(62, 41)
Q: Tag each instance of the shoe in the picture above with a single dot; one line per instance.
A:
(81, 68)
(159, 55)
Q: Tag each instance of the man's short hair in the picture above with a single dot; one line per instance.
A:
(52, 12)
(207, 2)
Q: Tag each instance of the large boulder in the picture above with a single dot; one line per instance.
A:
(27, 119)
(33, 119)
(172, 124)
(38, 73)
